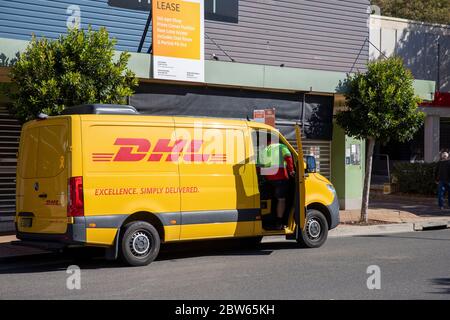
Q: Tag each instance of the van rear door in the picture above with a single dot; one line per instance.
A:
(42, 175)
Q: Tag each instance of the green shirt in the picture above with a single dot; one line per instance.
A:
(273, 156)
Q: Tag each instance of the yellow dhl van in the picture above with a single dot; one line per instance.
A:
(102, 175)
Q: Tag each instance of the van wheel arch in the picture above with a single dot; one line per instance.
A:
(147, 217)
(139, 244)
(323, 209)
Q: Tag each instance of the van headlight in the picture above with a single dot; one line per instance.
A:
(331, 188)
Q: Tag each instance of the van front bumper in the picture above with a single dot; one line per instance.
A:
(333, 208)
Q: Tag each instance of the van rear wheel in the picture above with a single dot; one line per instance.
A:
(139, 244)
(316, 230)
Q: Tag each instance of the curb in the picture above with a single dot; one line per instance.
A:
(349, 231)
(6, 239)
(431, 225)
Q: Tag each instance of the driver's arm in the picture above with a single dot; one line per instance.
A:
(289, 164)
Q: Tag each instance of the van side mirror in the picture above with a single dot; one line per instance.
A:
(310, 164)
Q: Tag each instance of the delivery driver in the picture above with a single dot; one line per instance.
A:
(278, 167)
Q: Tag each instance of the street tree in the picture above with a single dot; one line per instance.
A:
(77, 68)
(380, 106)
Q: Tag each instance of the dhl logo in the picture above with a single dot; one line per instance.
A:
(137, 149)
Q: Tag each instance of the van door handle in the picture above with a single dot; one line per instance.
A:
(43, 195)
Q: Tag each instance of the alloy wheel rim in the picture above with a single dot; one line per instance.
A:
(313, 229)
(140, 243)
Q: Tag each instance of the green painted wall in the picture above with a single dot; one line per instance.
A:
(338, 160)
(354, 174)
(346, 177)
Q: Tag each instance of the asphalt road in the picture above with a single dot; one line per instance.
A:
(412, 265)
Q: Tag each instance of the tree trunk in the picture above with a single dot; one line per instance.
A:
(366, 190)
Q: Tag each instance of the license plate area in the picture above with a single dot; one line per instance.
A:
(26, 222)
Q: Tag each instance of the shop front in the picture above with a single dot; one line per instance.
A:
(242, 56)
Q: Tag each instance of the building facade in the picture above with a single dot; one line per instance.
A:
(425, 49)
(289, 55)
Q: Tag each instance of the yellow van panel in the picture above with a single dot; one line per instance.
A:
(42, 175)
(76, 148)
(317, 191)
(26, 166)
(229, 174)
(224, 180)
(120, 177)
(217, 230)
(102, 236)
(171, 233)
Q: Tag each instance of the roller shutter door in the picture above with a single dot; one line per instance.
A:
(9, 144)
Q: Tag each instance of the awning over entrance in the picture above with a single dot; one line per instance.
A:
(441, 99)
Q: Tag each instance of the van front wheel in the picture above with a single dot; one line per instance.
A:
(316, 230)
(140, 243)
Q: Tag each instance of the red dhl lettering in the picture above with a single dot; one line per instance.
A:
(138, 149)
(125, 152)
(52, 202)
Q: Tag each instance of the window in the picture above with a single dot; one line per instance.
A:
(261, 138)
(28, 153)
(52, 148)
(222, 10)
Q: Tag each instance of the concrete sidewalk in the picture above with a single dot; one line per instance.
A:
(394, 213)
(398, 209)
(384, 216)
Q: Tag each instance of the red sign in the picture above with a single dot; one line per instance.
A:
(266, 116)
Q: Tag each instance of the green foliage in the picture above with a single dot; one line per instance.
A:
(381, 103)
(75, 69)
(415, 177)
(433, 11)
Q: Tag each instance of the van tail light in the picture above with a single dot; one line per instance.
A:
(75, 206)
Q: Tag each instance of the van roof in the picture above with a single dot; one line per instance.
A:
(111, 111)
(177, 118)
(100, 109)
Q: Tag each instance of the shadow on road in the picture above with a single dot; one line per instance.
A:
(92, 258)
(401, 237)
(442, 284)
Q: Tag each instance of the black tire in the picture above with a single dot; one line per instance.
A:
(139, 243)
(250, 242)
(316, 230)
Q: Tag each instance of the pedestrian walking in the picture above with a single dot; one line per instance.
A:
(441, 176)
